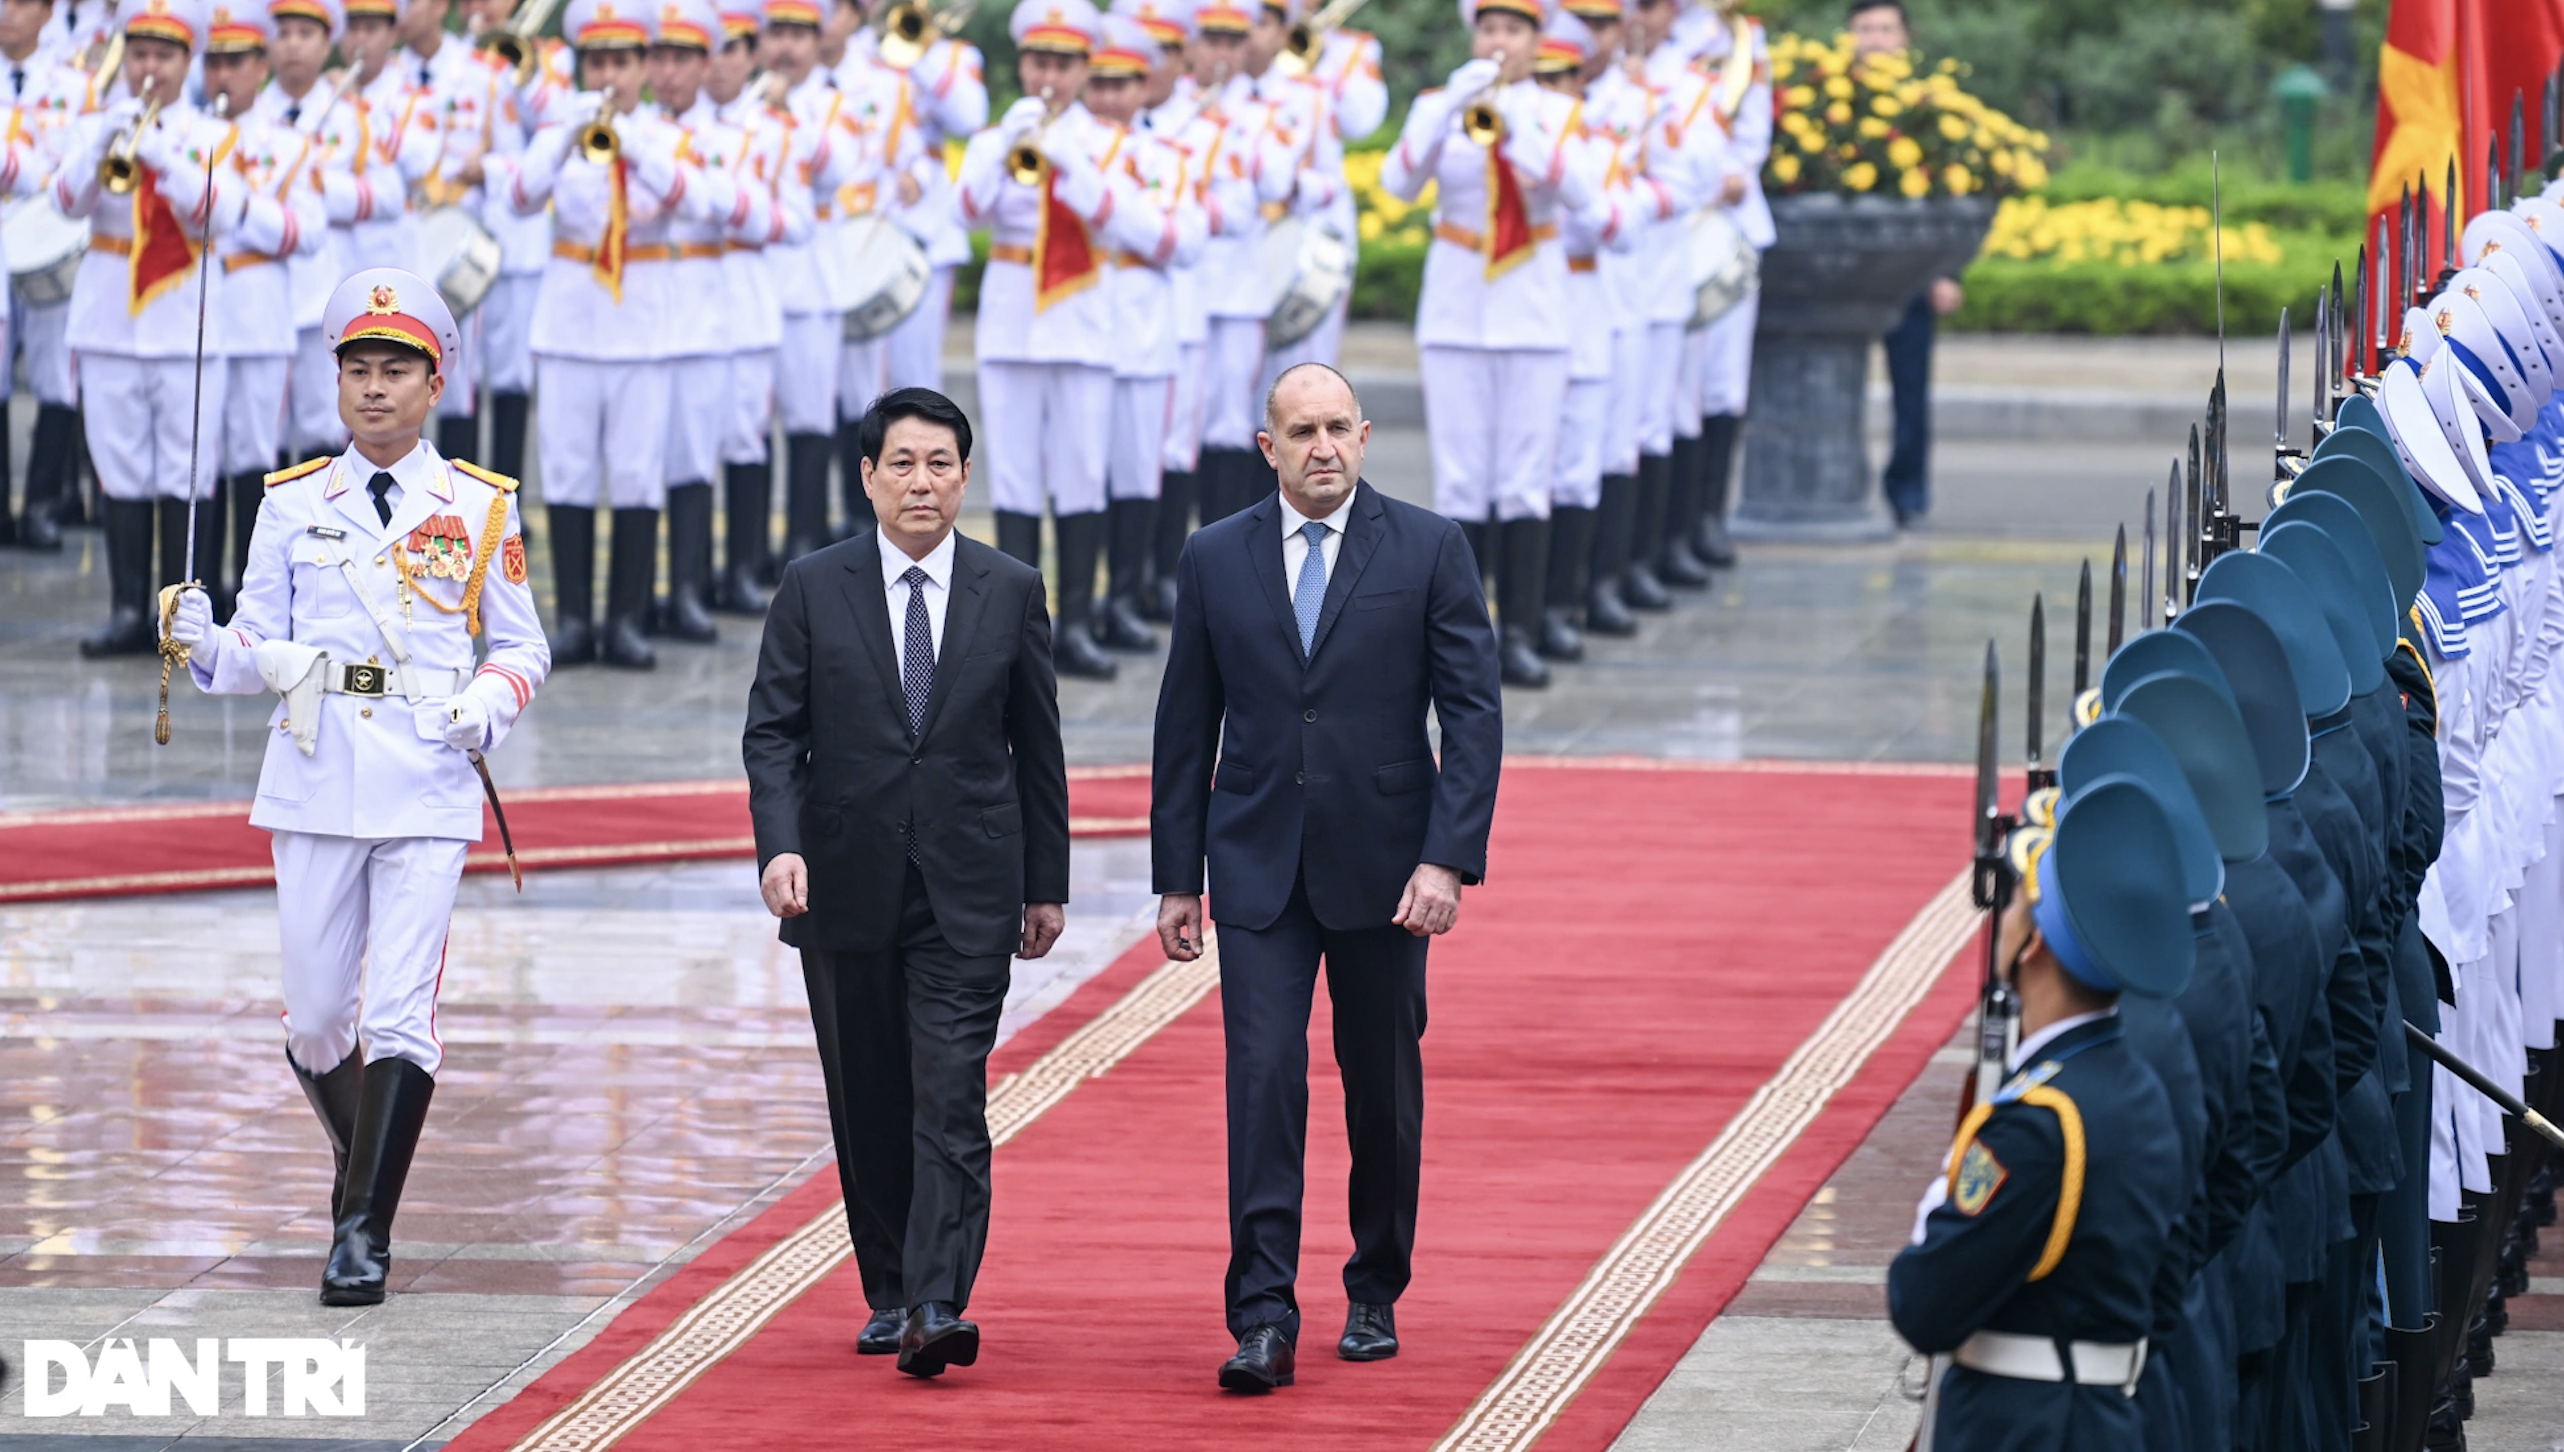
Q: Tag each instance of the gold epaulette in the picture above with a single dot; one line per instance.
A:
(500, 482)
(308, 466)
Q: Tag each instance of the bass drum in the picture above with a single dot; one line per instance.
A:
(886, 274)
(460, 254)
(1308, 269)
(1725, 268)
(45, 248)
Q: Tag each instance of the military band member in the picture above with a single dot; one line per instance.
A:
(1668, 405)
(1140, 290)
(1723, 353)
(134, 307)
(1304, 115)
(503, 325)
(367, 786)
(877, 130)
(749, 391)
(1257, 149)
(616, 177)
(44, 92)
(948, 102)
(1492, 330)
(1050, 183)
(283, 218)
(805, 392)
(400, 124)
(2034, 1252)
(706, 315)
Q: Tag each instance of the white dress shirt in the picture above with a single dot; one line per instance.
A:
(938, 566)
(1295, 547)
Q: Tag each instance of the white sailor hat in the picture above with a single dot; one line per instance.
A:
(1060, 27)
(609, 24)
(2403, 398)
(1535, 11)
(180, 22)
(2508, 233)
(1565, 43)
(236, 26)
(330, 15)
(742, 19)
(2515, 319)
(1167, 21)
(1127, 49)
(2469, 340)
(694, 24)
(389, 305)
(2538, 302)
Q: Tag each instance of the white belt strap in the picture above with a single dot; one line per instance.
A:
(341, 678)
(2035, 1358)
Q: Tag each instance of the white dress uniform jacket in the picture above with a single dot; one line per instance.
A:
(1114, 207)
(1555, 167)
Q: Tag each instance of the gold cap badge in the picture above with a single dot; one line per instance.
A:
(383, 300)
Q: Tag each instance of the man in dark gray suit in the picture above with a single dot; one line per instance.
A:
(911, 809)
(1313, 632)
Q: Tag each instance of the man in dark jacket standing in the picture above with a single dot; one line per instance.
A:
(1313, 632)
(911, 806)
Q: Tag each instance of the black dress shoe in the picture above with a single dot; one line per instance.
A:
(1559, 637)
(880, 1336)
(936, 1338)
(1263, 1361)
(1604, 612)
(1641, 590)
(1370, 1333)
(1678, 569)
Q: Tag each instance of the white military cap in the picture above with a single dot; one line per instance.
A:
(1565, 44)
(742, 19)
(180, 22)
(693, 23)
(1168, 21)
(331, 15)
(1062, 27)
(1126, 48)
(609, 24)
(389, 305)
(234, 26)
(1535, 11)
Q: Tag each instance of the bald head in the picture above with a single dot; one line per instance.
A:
(1314, 435)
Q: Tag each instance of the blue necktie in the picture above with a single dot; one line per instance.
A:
(917, 651)
(1310, 595)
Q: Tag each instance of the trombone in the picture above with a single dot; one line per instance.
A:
(513, 41)
(118, 171)
(1025, 163)
(1308, 38)
(910, 28)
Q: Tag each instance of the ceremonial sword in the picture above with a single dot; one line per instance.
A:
(173, 653)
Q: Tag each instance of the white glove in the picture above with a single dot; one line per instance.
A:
(192, 624)
(1064, 152)
(1022, 118)
(1472, 77)
(158, 146)
(461, 720)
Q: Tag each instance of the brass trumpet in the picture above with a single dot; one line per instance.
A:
(118, 171)
(598, 141)
(1479, 120)
(1025, 163)
(910, 28)
(513, 42)
(1308, 38)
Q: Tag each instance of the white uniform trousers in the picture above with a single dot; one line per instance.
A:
(602, 428)
(42, 334)
(916, 346)
(1687, 386)
(253, 412)
(863, 374)
(1184, 411)
(1232, 364)
(1580, 444)
(698, 413)
(363, 926)
(1143, 409)
(748, 403)
(1491, 419)
(806, 372)
(1660, 383)
(462, 370)
(1726, 356)
(1048, 426)
(313, 426)
(1324, 344)
(137, 414)
(10, 322)
(506, 321)
(1627, 405)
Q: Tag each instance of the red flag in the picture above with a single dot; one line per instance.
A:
(1064, 258)
(1510, 241)
(163, 252)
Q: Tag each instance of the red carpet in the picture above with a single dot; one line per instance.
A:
(1654, 945)
(118, 851)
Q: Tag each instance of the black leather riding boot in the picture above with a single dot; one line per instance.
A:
(459, 438)
(805, 493)
(1639, 587)
(391, 1110)
(1020, 535)
(1718, 471)
(48, 476)
(1132, 526)
(687, 613)
(1571, 543)
(1615, 519)
(573, 530)
(334, 1097)
(131, 629)
(1675, 567)
(633, 570)
(748, 497)
(1073, 648)
(1523, 547)
(1174, 524)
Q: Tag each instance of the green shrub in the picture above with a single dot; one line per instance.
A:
(2009, 296)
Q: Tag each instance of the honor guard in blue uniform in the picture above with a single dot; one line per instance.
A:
(371, 576)
(2035, 1252)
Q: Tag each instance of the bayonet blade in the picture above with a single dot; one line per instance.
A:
(2281, 413)
(2117, 628)
(2448, 221)
(1988, 807)
(2037, 730)
(2355, 324)
(2145, 575)
(2217, 229)
(2082, 634)
(2180, 563)
(2518, 154)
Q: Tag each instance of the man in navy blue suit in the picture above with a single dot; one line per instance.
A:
(1312, 634)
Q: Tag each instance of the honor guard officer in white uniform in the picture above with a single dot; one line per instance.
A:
(371, 577)
(1492, 330)
(1140, 290)
(1052, 185)
(705, 316)
(1235, 296)
(874, 125)
(948, 101)
(46, 91)
(1738, 67)
(154, 194)
(360, 189)
(615, 176)
(805, 276)
(283, 220)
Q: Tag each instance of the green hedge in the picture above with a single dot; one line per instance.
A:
(2009, 295)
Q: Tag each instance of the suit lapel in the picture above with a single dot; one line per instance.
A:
(866, 600)
(1264, 561)
(1361, 537)
(961, 624)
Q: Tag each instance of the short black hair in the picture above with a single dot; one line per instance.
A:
(1861, 7)
(918, 403)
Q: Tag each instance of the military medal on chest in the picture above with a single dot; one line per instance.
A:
(444, 547)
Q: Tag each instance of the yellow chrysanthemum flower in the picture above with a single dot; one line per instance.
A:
(1860, 176)
(1905, 151)
(1840, 113)
(1785, 168)
(1839, 87)
(1811, 140)
(1800, 97)
(1958, 181)
(1873, 127)
(1915, 183)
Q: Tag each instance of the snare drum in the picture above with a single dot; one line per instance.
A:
(460, 254)
(44, 248)
(1307, 270)
(886, 273)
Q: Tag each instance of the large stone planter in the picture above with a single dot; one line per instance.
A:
(1841, 271)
